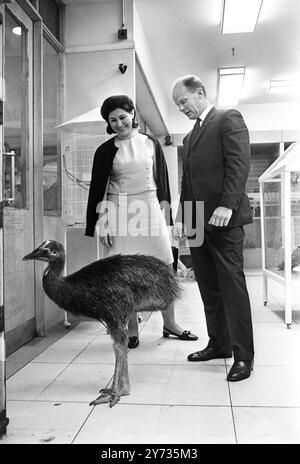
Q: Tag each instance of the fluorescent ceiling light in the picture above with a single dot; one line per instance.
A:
(240, 15)
(230, 85)
(17, 30)
(283, 86)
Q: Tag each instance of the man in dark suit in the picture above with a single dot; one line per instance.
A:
(215, 170)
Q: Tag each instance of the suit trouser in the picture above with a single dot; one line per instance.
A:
(218, 266)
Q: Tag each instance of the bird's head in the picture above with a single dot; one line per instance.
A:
(49, 251)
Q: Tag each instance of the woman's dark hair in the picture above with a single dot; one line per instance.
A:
(114, 102)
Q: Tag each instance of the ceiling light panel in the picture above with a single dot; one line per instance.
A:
(283, 86)
(230, 86)
(240, 15)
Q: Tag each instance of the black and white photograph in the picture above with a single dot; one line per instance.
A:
(149, 225)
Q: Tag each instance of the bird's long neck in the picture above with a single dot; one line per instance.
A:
(53, 280)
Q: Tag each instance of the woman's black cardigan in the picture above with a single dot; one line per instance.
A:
(102, 166)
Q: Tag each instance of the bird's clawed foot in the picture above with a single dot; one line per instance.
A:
(106, 397)
(105, 390)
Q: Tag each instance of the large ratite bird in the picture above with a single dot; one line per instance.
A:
(108, 290)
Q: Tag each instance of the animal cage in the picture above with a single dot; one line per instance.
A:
(280, 224)
(80, 137)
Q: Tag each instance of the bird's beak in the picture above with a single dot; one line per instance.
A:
(32, 255)
(38, 253)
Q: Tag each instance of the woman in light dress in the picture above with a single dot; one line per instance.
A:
(129, 185)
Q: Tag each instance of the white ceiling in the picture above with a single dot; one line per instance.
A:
(184, 38)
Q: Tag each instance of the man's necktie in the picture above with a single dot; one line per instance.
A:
(196, 130)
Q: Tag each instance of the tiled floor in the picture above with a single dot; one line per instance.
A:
(171, 401)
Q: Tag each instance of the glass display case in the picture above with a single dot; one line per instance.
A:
(80, 138)
(280, 224)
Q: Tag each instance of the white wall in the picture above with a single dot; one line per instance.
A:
(93, 53)
(91, 24)
(271, 117)
(93, 76)
(269, 120)
(144, 55)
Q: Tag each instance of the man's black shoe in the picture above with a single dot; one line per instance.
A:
(240, 370)
(209, 353)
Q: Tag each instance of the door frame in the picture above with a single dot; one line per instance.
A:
(25, 7)
(37, 165)
(3, 419)
(20, 328)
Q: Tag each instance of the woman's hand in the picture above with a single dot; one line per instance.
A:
(103, 231)
(106, 240)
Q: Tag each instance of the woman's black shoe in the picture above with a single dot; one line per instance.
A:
(185, 335)
(133, 342)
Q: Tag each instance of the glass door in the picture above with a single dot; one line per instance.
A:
(17, 151)
(3, 418)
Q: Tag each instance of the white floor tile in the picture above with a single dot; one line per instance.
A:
(40, 422)
(71, 344)
(265, 314)
(100, 350)
(175, 385)
(267, 425)
(166, 389)
(15, 408)
(30, 381)
(167, 351)
(157, 424)
(272, 353)
(86, 329)
(63, 351)
(78, 382)
(56, 356)
(275, 331)
(268, 386)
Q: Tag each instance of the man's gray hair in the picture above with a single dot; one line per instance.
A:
(192, 83)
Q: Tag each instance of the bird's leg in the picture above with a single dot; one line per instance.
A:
(124, 380)
(120, 386)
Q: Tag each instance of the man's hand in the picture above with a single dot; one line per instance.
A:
(220, 217)
(178, 231)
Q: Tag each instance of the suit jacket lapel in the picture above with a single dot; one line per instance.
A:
(203, 128)
(188, 144)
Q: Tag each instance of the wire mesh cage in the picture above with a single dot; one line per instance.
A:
(80, 139)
